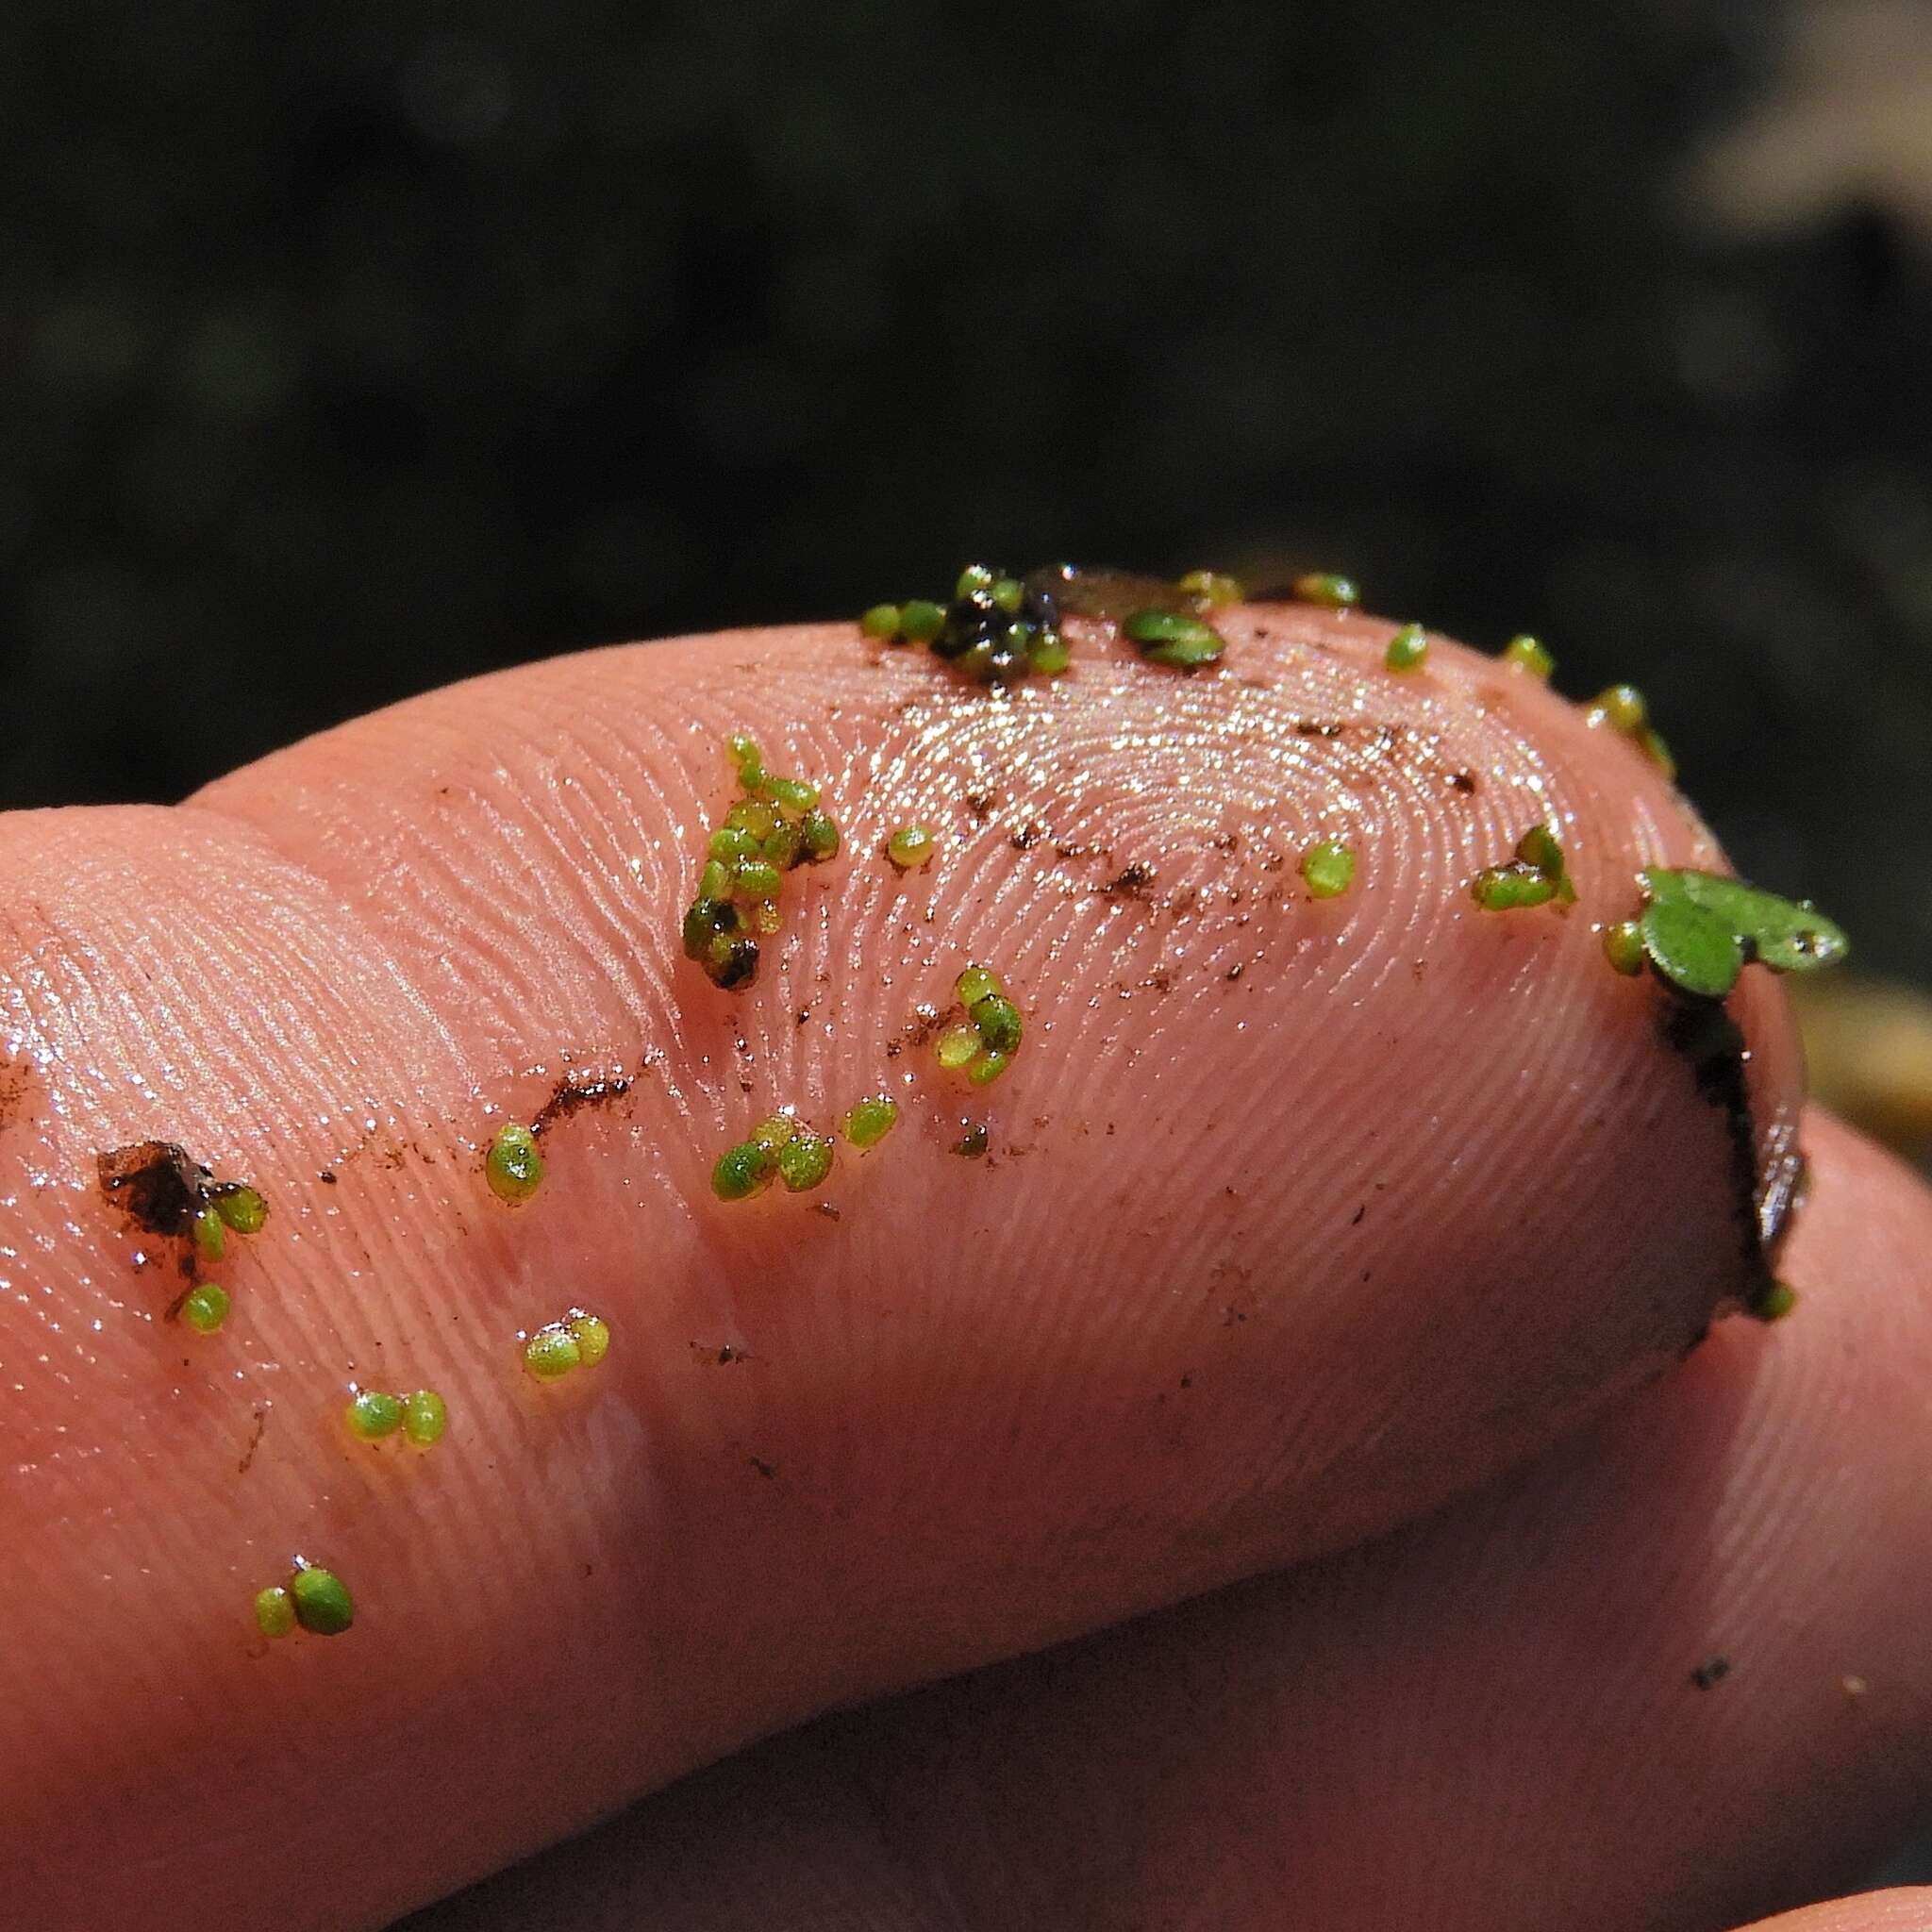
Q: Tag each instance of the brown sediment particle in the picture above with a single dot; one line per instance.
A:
(328, 1176)
(1131, 882)
(1463, 782)
(254, 1443)
(765, 1469)
(1712, 1672)
(14, 1081)
(1028, 836)
(156, 1184)
(980, 803)
(922, 1025)
(720, 1357)
(573, 1093)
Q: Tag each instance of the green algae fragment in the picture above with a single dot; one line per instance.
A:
(205, 1308)
(909, 846)
(322, 1604)
(275, 1612)
(921, 621)
(1322, 587)
(372, 1415)
(1211, 586)
(240, 1208)
(804, 1161)
(426, 1415)
(998, 1020)
(210, 1235)
(741, 1172)
(593, 1337)
(1525, 654)
(1624, 947)
(513, 1167)
(1328, 868)
(1173, 638)
(1509, 887)
(871, 1120)
(552, 1351)
(1409, 649)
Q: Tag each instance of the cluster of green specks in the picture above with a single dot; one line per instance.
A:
(784, 1148)
(1328, 868)
(1699, 930)
(315, 1598)
(1170, 625)
(579, 1341)
(982, 1044)
(1622, 709)
(1177, 638)
(996, 630)
(1535, 876)
(910, 847)
(205, 1306)
(514, 1164)
(229, 1208)
(773, 826)
(1526, 654)
(781, 1148)
(421, 1416)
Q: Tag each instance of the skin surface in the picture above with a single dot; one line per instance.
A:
(1485, 1721)
(1260, 1261)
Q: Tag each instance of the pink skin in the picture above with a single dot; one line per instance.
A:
(1486, 1721)
(1304, 1251)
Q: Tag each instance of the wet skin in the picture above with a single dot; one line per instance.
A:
(1297, 1219)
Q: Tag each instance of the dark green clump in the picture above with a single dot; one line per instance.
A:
(995, 630)
(774, 825)
(998, 630)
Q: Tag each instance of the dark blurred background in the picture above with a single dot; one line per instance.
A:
(344, 353)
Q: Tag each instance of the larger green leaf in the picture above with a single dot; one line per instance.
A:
(1787, 934)
(1692, 947)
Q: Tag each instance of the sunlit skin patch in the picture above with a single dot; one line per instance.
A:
(435, 912)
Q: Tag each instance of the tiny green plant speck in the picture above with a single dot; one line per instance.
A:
(1328, 868)
(1526, 654)
(1323, 587)
(1622, 709)
(205, 1308)
(514, 1165)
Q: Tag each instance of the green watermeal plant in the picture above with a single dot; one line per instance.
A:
(1699, 930)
